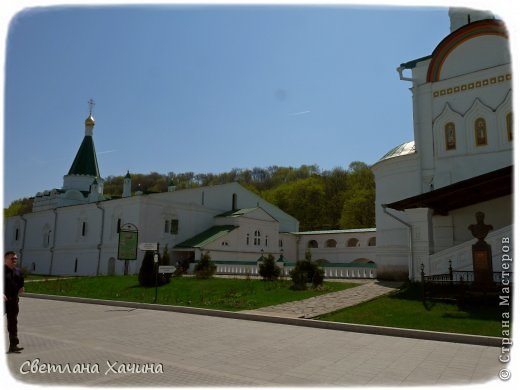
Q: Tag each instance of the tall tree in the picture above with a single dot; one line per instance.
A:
(359, 205)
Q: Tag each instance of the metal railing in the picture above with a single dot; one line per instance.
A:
(462, 277)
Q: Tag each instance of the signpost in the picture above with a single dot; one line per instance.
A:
(163, 269)
(149, 246)
(167, 269)
(156, 264)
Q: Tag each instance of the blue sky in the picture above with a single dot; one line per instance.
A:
(207, 88)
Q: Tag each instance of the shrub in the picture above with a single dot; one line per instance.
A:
(165, 260)
(205, 268)
(268, 269)
(182, 266)
(306, 271)
(147, 272)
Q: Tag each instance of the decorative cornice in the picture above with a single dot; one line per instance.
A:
(472, 85)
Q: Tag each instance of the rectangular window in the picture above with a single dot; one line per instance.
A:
(174, 227)
(84, 229)
(16, 233)
(118, 225)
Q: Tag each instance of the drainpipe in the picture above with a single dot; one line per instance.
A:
(53, 239)
(101, 236)
(384, 206)
(23, 238)
(298, 239)
(400, 70)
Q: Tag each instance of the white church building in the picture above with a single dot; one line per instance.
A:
(460, 162)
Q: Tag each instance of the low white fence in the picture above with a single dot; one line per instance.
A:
(331, 271)
(237, 269)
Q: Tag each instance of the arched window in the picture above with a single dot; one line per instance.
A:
(312, 244)
(509, 126)
(257, 240)
(331, 243)
(480, 132)
(353, 242)
(247, 238)
(372, 241)
(450, 136)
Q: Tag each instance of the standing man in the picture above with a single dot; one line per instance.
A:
(13, 286)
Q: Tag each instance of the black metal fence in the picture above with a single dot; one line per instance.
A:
(457, 284)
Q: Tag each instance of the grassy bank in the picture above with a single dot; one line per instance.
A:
(214, 293)
(405, 309)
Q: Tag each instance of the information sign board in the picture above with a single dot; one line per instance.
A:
(127, 246)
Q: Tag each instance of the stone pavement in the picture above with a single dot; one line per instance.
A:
(196, 350)
(313, 307)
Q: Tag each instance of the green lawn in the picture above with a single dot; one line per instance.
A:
(214, 293)
(405, 309)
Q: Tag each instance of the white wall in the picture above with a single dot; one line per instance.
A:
(341, 253)
(396, 178)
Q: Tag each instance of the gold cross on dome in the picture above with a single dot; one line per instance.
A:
(91, 105)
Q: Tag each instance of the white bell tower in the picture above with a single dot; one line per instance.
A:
(127, 185)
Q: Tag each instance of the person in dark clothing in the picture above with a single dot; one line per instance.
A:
(13, 287)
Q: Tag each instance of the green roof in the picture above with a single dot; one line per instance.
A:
(412, 64)
(338, 231)
(85, 162)
(236, 213)
(235, 262)
(340, 265)
(206, 237)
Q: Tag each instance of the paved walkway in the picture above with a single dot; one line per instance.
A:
(196, 350)
(313, 307)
